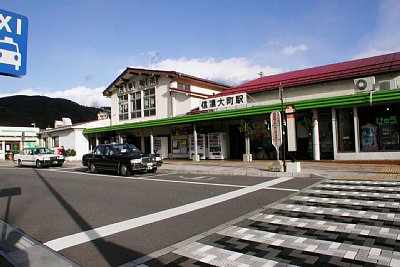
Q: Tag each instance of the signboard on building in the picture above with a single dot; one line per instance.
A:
(223, 102)
(276, 129)
(13, 43)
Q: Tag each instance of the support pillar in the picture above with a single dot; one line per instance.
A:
(3, 150)
(196, 156)
(316, 144)
(151, 141)
(142, 144)
(248, 156)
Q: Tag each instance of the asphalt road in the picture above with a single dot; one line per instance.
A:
(133, 216)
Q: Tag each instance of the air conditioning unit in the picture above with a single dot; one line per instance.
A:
(364, 85)
(388, 85)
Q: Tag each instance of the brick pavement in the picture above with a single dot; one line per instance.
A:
(333, 223)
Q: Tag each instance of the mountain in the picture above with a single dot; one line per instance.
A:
(23, 110)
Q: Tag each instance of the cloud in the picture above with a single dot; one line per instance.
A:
(385, 38)
(290, 50)
(92, 97)
(232, 71)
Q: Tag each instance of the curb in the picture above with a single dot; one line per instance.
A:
(20, 249)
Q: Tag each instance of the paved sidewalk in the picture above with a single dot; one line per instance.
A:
(331, 169)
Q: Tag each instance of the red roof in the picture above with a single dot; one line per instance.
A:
(348, 69)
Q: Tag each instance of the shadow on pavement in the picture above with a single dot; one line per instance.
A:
(9, 236)
(110, 252)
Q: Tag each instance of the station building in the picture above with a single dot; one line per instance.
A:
(344, 111)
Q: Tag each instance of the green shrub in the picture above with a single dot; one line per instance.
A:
(70, 153)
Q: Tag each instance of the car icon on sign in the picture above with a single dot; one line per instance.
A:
(9, 53)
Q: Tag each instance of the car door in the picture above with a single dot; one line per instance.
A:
(28, 157)
(22, 156)
(98, 157)
(111, 160)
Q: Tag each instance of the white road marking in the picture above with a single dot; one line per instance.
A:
(86, 236)
(150, 178)
(197, 178)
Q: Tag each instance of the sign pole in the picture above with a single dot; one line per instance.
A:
(276, 137)
(283, 127)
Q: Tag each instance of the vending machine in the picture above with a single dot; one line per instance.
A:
(217, 146)
(201, 146)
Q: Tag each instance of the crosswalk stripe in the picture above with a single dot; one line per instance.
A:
(353, 194)
(362, 182)
(361, 187)
(388, 216)
(358, 229)
(349, 202)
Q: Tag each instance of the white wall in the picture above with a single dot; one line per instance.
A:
(162, 102)
(308, 92)
(166, 105)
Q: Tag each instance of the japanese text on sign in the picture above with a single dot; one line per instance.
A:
(276, 129)
(223, 102)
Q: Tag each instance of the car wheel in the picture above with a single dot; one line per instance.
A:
(92, 168)
(153, 170)
(123, 170)
(39, 164)
(19, 163)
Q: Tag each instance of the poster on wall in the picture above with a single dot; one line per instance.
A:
(369, 137)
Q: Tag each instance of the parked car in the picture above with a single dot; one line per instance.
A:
(121, 158)
(39, 157)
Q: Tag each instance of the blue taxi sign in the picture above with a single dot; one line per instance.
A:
(13, 43)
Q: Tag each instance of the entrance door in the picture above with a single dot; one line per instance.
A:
(236, 142)
(325, 133)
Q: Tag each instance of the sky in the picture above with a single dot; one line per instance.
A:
(77, 48)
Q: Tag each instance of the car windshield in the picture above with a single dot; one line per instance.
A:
(126, 149)
(43, 150)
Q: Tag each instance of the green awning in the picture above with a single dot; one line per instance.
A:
(356, 99)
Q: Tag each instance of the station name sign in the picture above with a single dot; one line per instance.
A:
(223, 102)
(13, 43)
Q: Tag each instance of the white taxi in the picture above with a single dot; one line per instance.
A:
(39, 157)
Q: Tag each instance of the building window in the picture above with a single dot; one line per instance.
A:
(379, 128)
(123, 107)
(184, 86)
(345, 119)
(136, 105)
(149, 102)
(56, 141)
